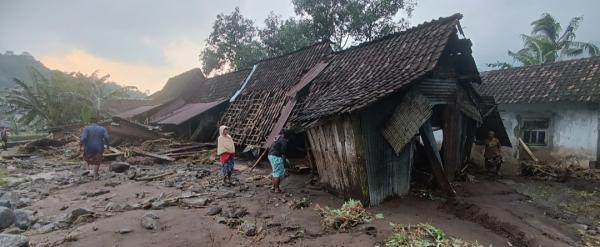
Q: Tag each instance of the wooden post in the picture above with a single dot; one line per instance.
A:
(433, 156)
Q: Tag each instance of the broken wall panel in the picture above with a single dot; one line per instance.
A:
(404, 124)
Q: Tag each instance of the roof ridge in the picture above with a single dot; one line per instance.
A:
(583, 59)
(228, 73)
(454, 17)
(296, 51)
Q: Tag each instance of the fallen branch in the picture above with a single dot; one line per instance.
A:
(155, 177)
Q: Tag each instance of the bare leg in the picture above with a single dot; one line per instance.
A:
(97, 171)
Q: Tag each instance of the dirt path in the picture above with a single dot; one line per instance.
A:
(489, 212)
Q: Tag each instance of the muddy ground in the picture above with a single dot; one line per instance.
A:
(510, 211)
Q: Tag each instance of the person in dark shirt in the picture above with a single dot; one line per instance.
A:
(277, 159)
(93, 138)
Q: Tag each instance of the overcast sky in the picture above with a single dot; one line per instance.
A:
(143, 43)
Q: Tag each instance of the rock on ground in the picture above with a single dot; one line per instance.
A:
(214, 211)
(150, 221)
(78, 212)
(7, 218)
(10, 240)
(119, 167)
(249, 229)
(24, 218)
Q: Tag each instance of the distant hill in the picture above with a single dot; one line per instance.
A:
(18, 66)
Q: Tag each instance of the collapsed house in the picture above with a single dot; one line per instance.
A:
(365, 111)
(189, 109)
(553, 108)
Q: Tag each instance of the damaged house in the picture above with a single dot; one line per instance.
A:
(553, 108)
(261, 109)
(373, 110)
(189, 108)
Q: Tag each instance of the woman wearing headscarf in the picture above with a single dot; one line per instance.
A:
(226, 151)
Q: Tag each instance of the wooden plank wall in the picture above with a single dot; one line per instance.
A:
(334, 149)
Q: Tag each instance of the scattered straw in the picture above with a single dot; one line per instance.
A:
(351, 214)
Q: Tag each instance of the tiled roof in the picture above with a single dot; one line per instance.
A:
(254, 113)
(216, 88)
(566, 81)
(178, 84)
(364, 74)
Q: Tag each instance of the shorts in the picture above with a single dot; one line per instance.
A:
(93, 159)
(227, 168)
(277, 166)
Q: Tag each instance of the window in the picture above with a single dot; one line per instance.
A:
(535, 132)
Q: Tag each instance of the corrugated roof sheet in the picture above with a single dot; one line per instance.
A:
(566, 81)
(135, 112)
(187, 112)
(359, 76)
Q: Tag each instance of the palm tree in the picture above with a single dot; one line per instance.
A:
(547, 44)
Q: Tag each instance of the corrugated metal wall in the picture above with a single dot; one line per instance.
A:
(388, 173)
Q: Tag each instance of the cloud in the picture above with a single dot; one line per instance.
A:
(179, 56)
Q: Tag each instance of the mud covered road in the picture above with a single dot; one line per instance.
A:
(190, 207)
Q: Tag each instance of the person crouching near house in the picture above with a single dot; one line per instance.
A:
(492, 154)
(226, 151)
(276, 157)
(92, 141)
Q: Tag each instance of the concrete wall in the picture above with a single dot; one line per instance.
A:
(573, 130)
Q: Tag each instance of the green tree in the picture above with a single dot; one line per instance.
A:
(232, 44)
(236, 43)
(284, 36)
(548, 43)
(348, 21)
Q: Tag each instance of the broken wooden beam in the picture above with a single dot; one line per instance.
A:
(528, 150)
(150, 178)
(181, 149)
(433, 156)
(153, 155)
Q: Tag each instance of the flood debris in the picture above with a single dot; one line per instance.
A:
(559, 171)
(351, 214)
(423, 235)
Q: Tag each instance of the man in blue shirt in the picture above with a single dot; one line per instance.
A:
(93, 138)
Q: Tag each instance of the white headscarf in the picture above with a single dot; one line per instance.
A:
(225, 142)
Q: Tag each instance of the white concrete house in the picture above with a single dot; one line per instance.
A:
(554, 108)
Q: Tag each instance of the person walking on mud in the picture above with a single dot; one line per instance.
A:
(4, 137)
(492, 154)
(276, 156)
(226, 151)
(92, 141)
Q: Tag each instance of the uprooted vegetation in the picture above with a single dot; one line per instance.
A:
(423, 235)
(557, 171)
(351, 214)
